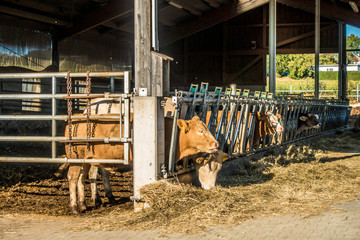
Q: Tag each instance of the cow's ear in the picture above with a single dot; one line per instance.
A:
(317, 116)
(183, 125)
(196, 118)
(278, 116)
(224, 156)
(303, 118)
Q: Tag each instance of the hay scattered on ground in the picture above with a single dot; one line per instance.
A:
(298, 179)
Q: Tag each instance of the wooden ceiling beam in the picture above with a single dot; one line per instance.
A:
(98, 16)
(209, 19)
(33, 16)
(213, 3)
(303, 36)
(327, 9)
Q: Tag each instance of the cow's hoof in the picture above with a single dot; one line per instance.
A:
(111, 199)
(97, 203)
(82, 207)
(74, 210)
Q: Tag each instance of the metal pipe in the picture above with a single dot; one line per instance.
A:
(62, 96)
(53, 114)
(126, 117)
(61, 139)
(59, 75)
(59, 160)
(112, 84)
(154, 25)
(317, 47)
(173, 142)
(58, 117)
(272, 46)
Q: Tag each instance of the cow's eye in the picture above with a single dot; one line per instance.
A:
(201, 131)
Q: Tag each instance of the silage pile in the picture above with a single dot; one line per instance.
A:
(298, 179)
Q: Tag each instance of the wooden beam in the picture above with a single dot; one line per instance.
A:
(328, 9)
(33, 16)
(302, 36)
(244, 69)
(213, 3)
(185, 5)
(98, 16)
(35, 5)
(209, 19)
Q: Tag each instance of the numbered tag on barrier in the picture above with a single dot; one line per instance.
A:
(238, 92)
(257, 94)
(263, 94)
(204, 87)
(246, 92)
(193, 88)
(227, 91)
(269, 95)
(218, 90)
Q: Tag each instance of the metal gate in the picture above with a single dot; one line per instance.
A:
(56, 98)
(229, 115)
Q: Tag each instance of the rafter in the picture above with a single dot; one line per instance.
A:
(209, 19)
(328, 10)
(244, 69)
(303, 36)
(98, 16)
(33, 16)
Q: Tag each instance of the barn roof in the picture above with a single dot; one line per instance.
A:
(177, 18)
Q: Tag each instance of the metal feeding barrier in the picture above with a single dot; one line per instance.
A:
(230, 116)
(124, 118)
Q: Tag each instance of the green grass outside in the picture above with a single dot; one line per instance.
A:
(328, 81)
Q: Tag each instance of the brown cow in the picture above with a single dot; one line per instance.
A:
(194, 138)
(266, 124)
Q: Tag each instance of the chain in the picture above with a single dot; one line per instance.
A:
(69, 109)
(88, 110)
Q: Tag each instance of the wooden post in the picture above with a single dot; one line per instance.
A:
(152, 81)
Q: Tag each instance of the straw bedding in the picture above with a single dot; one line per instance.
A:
(305, 179)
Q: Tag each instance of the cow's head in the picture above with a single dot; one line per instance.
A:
(207, 167)
(310, 120)
(194, 137)
(272, 120)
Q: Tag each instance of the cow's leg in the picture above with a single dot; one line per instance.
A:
(73, 178)
(81, 187)
(95, 197)
(106, 181)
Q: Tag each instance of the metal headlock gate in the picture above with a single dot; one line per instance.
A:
(230, 116)
(123, 117)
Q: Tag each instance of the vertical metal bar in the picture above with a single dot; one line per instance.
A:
(112, 84)
(53, 114)
(154, 25)
(317, 46)
(173, 141)
(126, 117)
(340, 64)
(121, 116)
(272, 46)
(357, 93)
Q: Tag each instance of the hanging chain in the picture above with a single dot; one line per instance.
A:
(88, 110)
(69, 109)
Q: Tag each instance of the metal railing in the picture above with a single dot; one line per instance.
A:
(124, 100)
(230, 117)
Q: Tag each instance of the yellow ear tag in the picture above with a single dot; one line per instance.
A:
(183, 129)
(224, 158)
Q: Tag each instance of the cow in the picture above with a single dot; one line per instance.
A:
(307, 121)
(193, 138)
(266, 124)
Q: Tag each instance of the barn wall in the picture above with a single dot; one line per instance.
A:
(235, 51)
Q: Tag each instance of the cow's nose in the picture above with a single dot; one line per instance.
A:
(216, 144)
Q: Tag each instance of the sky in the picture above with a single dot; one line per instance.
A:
(352, 30)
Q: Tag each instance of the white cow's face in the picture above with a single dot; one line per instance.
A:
(208, 167)
(275, 121)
